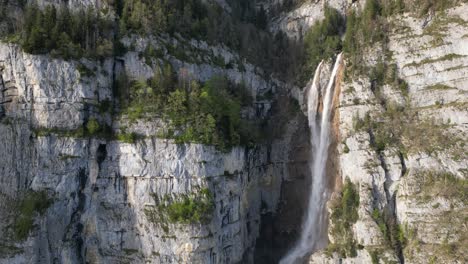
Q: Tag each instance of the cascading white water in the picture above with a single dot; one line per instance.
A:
(312, 235)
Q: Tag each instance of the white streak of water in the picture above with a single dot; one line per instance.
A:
(313, 234)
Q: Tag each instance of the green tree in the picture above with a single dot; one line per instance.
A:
(323, 40)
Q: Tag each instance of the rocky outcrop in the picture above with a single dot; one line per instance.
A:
(296, 22)
(413, 191)
(102, 192)
(101, 197)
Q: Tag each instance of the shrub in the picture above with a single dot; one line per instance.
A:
(196, 209)
(360, 124)
(192, 208)
(362, 31)
(92, 126)
(323, 40)
(127, 137)
(374, 257)
(346, 148)
(32, 204)
(344, 215)
(443, 184)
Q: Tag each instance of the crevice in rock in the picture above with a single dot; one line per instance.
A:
(2, 90)
(403, 164)
(389, 213)
(74, 233)
(101, 154)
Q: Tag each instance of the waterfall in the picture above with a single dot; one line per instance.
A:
(313, 235)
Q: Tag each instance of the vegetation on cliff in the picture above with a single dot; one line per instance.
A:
(344, 215)
(64, 33)
(32, 204)
(192, 208)
(323, 40)
(208, 113)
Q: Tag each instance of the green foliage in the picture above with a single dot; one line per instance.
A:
(378, 218)
(346, 148)
(66, 34)
(442, 184)
(84, 71)
(208, 114)
(362, 31)
(374, 256)
(386, 74)
(92, 126)
(402, 128)
(44, 132)
(137, 97)
(362, 124)
(447, 57)
(32, 204)
(323, 39)
(392, 7)
(344, 215)
(423, 7)
(185, 17)
(127, 137)
(192, 208)
(391, 230)
(73, 34)
(242, 29)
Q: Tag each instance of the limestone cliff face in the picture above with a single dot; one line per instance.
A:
(102, 192)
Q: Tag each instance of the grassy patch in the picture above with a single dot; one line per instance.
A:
(441, 23)
(391, 230)
(447, 57)
(402, 128)
(448, 250)
(192, 208)
(344, 215)
(439, 87)
(458, 67)
(31, 205)
(441, 184)
(322, 40)
(92, 126)
(127, 137)
(84, 71)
